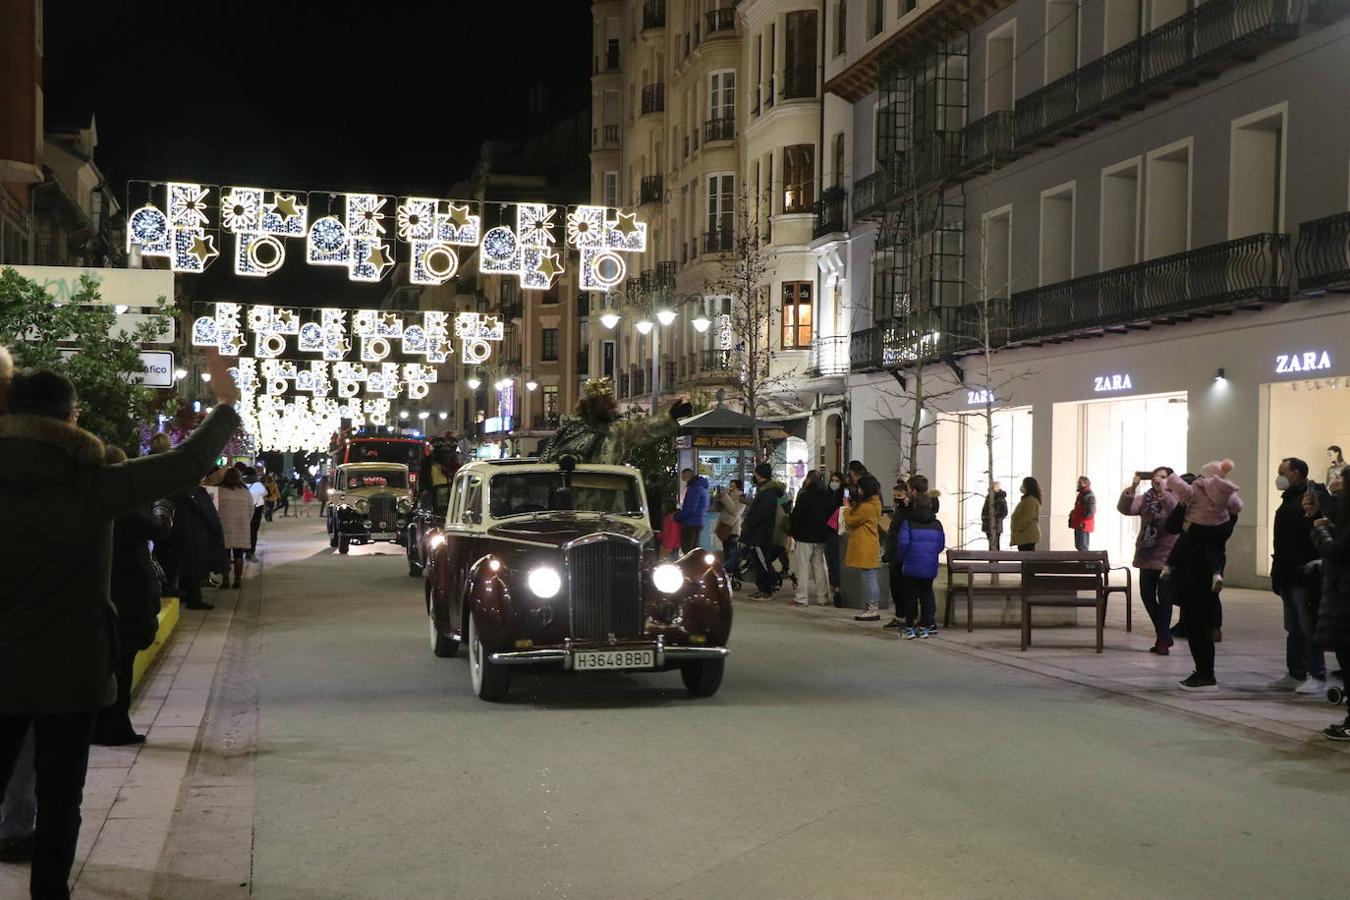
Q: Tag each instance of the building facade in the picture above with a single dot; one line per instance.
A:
(708, 118)
(1116, 230)
(21, 125)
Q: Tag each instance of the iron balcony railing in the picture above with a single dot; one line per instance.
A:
(716, 360)
(665, 275)
(623, 386)
(650, 190)
(609, 62)
(1247, 271)
(799, 82)
(653, 98)
(720, 129)
(637, 379)
(831, 212)
(720, 21)
(605, 136)
(986, 143)
(1210, 36)
(868, 192)
(1322, 256)
(668, 373)
(828, 357)
(719, 241)
(1253, 269)
(654, 14)
(511, 309)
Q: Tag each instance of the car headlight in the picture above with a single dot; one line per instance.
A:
(668, 578)
(544, 581)
(405, 504)
(436, 540)
(361, 505)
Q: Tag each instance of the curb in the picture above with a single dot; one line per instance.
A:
(168, 624)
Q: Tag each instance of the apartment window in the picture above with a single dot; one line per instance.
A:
(799, 55)
(770, 60)
(551, 401)
(721, 97)
(1121, 23)
(1057, 234)
(1167, 200)
(611, 189)
(1061, 38)
(1000, 60)
(876, 10)
(759, 72)
(797, 314)
(998, 253)
(840, 27)
(721, 200)
(607, 359)
(1256, 174)
(799, 169)
(837, 159)
(1120, 215)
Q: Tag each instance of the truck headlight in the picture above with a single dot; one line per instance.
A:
(668, 578)
(544, 581)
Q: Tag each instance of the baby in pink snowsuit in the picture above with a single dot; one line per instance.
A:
(1212, 505)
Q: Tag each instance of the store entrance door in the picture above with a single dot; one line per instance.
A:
(963, 470)
(1115, 439)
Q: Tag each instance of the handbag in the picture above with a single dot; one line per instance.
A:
(833, 520)
(722, 531)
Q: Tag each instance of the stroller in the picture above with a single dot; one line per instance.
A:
(740, 569)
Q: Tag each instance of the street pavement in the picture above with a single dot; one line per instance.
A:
(339, 758)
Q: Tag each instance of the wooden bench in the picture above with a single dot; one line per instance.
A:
(1045, 578)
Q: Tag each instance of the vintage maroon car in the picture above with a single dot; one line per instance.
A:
(543, 564)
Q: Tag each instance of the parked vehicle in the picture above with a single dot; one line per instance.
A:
(554, 564)
(369, 502)
(408, 451)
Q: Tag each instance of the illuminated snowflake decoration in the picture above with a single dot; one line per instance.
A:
(534, 224)
(365, 216)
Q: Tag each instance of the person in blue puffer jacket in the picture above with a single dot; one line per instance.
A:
(693, 510)
(918, 546)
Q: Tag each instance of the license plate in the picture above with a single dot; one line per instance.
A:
(383, 535)
(613, 659)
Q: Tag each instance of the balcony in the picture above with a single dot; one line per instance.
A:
(637, 378)
(719, 241)
(722, 129)
(720, 22)
(985, 143)
(665, 275)
(798, 198)
(828, 357)
(544, 423)
(584, 363)
(605, 136)
(799, 82)
(1201, 42)
(1248, 271)
(623, 386)
(721, 363)
(650, 190)
(653, 99)
(831, 212)
(668, 374)
(1323, 253)
(653, 14)
(609, 62)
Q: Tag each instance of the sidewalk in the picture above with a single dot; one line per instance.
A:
(1250, 657)
(131, 792)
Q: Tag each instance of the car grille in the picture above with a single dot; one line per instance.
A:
(606, 589)
(383, 508)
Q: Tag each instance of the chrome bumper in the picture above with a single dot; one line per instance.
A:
(663, 655)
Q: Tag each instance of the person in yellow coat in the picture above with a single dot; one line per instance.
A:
(862, 517)
(1026, 518)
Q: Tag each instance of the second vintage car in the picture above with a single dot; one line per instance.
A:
(553, 564)
(369, 502)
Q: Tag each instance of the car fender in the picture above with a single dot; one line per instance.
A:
(488, 600)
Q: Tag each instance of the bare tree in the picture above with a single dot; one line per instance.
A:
(743, 276)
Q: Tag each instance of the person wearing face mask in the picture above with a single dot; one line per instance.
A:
(1082, 519)
(1306, 666)
(1026, 517)
(920, 541)
(1151, 549)
(1331, 538)
(903, 506)
(836, 485)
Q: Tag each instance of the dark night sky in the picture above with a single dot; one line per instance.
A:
(390, 97)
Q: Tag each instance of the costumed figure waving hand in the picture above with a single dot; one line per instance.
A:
(596, 433)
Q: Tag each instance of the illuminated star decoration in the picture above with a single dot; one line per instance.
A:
(179, 234)
(260, 227)
(602, 240)
(355, 241)
(475, 331)
(432, 229)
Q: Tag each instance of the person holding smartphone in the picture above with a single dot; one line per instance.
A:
(1300, 505)
(1152, 547)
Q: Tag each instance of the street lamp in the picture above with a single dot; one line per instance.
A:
(442, 415)
(609, 318)
(531, 385)
(206, 376)
(423, 415)
(701, 323)
(403, 414)
(644, 327)
(474, 382)
(665, 316)
(179, 374)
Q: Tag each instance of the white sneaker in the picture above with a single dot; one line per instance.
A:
(1284, 683)
(1312, 685)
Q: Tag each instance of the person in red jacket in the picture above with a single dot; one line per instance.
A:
(1084, 514)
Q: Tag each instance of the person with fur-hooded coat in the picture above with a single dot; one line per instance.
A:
(596, 433)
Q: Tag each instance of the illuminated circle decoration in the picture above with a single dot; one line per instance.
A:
(374, 349)
(608, 268)
(501, 250)
(271, 345)
(148, 229)
(328, 239)
(476, 351)
(266, 253)
(440, 261)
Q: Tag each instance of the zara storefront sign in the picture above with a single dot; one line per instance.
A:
(1103, 384)
(980, 397)
(1307, 361)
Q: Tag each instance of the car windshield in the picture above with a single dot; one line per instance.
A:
(394, 478)
(409, 453)
(533, 492)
